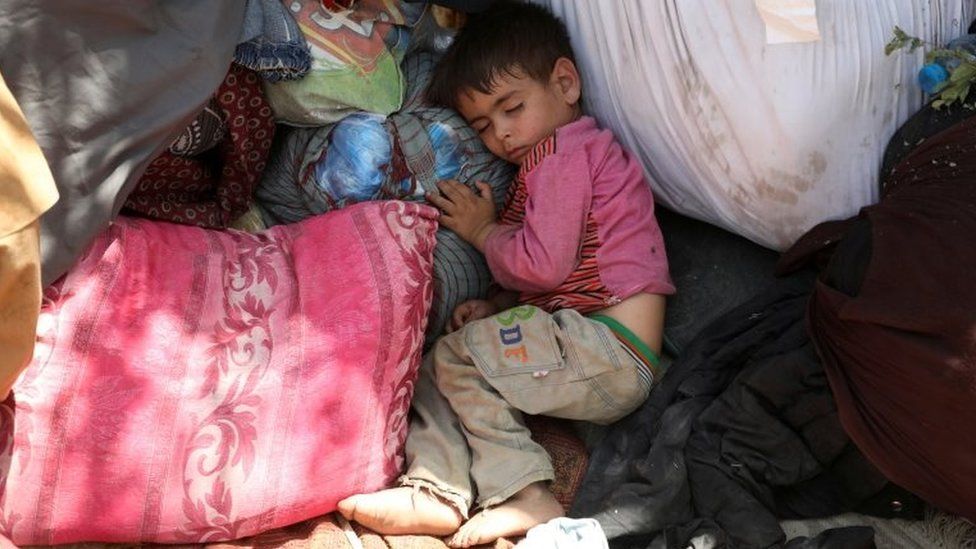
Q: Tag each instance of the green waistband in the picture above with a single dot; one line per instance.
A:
(635, 343)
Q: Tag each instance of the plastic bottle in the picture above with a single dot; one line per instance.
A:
(932, 76)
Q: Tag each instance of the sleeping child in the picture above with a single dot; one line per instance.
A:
(576, 331)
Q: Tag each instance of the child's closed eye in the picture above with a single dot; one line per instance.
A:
(514, 109)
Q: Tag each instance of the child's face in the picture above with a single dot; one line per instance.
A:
(521, 111)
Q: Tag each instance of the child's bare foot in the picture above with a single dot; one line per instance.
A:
(403, 510)
(532, 505)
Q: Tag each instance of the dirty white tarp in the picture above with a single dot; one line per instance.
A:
(765, 140)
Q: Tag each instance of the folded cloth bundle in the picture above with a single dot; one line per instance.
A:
(355, 66)
(215, 188)
(272, 43)
(371, 157)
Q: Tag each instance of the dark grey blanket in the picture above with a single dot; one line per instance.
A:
(742, 432)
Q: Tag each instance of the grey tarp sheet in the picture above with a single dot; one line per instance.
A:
(105, 86)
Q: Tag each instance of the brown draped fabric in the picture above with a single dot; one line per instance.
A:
(898, 339)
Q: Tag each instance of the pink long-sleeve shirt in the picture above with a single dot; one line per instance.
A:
(578, 229)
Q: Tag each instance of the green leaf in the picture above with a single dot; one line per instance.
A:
(963, 73)
(897, 42)
(949, 94)
(902, 39)
(892, 47)
(937, 104)
(964, 92)
(937, 54)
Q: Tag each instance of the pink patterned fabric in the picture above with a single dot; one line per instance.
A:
(195, 386)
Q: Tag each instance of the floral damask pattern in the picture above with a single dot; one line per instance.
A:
(196, 386)
(8, 520)
(16, 426)
(238, 358)
(417, 249)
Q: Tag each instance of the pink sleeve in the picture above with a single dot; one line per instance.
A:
(539, 254)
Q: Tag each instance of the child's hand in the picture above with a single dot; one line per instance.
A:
(470, 215)
(469, 311)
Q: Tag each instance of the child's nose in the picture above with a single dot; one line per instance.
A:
(502, 132)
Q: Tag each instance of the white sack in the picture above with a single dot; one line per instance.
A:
(763, 140)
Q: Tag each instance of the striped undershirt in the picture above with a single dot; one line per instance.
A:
(583, 290)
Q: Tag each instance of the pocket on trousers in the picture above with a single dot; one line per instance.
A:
(517, 341)
(610, 372)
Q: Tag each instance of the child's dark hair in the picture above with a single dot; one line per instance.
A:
(511, 36)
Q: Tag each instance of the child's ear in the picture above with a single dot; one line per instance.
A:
(567, 80)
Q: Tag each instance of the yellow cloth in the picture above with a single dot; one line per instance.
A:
(26, 186)
(26, 191)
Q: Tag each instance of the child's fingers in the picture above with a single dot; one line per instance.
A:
(459, 316)
(456, 324)
(449, 187)
(484, 189)
(438, 200)
(447, 208)
(455, 191)
(448, 221)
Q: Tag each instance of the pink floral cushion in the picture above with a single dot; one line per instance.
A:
(194, 386)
